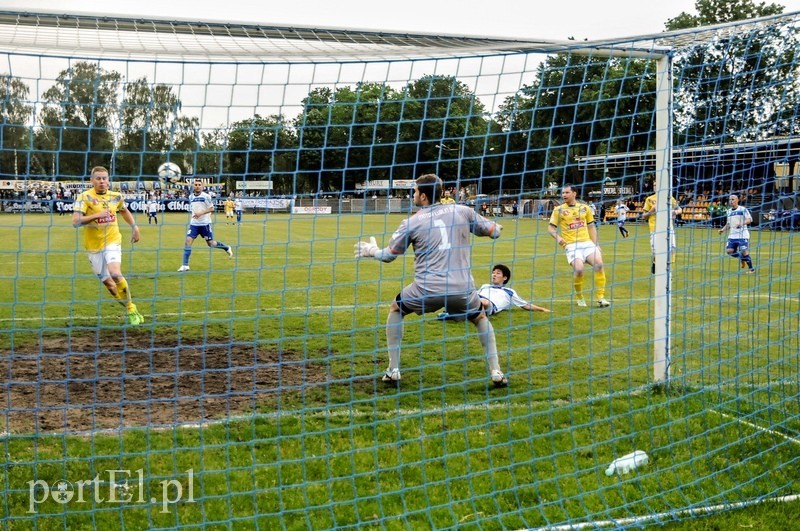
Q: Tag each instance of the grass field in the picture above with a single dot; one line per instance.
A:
(260, 376)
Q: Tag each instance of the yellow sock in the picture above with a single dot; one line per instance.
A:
(577, 283)
(122, 291)
(600, 283)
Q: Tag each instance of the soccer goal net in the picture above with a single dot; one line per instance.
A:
(226, 369)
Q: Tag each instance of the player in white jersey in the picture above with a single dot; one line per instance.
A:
(498, 296)
(200, 225)
(237, 208)
(739, 236)
(622, 217)
(440, 236)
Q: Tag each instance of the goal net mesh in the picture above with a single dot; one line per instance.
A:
(250, 396)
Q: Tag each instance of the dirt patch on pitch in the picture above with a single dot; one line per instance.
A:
(99, 382)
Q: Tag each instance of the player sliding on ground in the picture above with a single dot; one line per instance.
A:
(96, 211)
(498, 296)
(440, 236)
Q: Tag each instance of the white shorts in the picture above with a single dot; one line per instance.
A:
(653, 241)
(581, 250)
(101, 259)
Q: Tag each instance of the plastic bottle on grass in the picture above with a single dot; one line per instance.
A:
(627, 463)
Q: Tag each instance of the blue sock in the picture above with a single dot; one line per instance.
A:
(222, 246)
(186, 252)
(747, 260)
(735, 254)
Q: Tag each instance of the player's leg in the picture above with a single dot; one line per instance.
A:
(576, 262)
(477, 316)
(595, 258)
(208, 235)
(732, 249)
(746, 260)
(394, 338)
(124, 293)
(191, 234)
(653, 253)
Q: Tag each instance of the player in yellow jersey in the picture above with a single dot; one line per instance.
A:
(229, 209)
(649, 213)
(96, 211)
(572, 225)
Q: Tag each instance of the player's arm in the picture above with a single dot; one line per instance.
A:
(482, 226)
(591, 228)
(128, 217)
(80, 219)
(553, 230)
(370, 249)
(533, 308)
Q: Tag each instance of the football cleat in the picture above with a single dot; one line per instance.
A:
(229, 250)
(391, 377)
(183, 268)
(580, 301)
(499, 379)
(603, 303)
(750, 271)
(134, 317)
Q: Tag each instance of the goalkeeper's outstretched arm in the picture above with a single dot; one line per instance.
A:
(370, 249)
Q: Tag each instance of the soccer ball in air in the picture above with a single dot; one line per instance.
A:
(170, 171)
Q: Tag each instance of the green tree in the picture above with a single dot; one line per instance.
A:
(442, 118)
(261, 149)
(15, 138)
(152, 131)
(76, 120)
(711, 12)
(347, 136)
(733, 88)
(577, 105)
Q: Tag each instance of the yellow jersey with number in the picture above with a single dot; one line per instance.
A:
(573, 222)
(100, 232)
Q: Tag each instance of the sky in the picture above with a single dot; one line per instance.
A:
(538, 19)
(528, 19)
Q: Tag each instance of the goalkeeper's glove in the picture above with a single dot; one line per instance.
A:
(366, 249)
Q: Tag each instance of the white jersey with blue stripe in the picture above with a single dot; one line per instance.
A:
(501, 297)
(736, 222)
(199, 203)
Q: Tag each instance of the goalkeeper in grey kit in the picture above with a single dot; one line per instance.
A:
(440, 236)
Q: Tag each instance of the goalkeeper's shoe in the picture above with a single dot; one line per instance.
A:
(183, 268)
(391, 377)
(581, 302)
(603, 303)
(134, 317)
(229, 250)
(499, 379)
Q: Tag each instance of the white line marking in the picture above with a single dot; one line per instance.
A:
(757, 427)
(694, 511)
